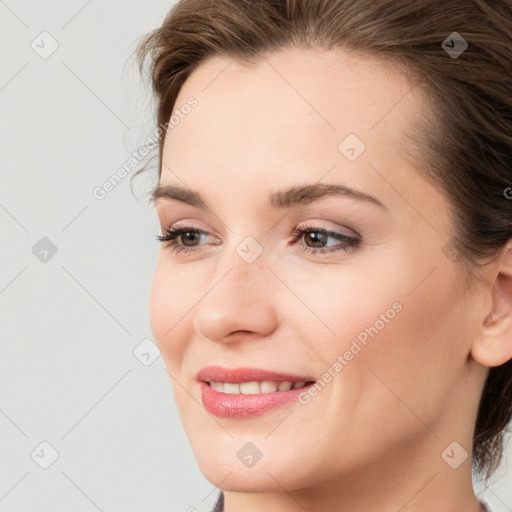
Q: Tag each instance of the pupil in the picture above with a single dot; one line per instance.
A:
(316, 235)
(189, 236)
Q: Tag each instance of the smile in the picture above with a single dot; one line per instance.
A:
(254, 387)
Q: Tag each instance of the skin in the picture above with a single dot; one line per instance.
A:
(372, 438)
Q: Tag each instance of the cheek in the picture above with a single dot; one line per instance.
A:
(389, 325)
(350, 304)
(408, 367)
(169, 303)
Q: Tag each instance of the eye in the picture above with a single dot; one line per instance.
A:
(311, 233)
(171, 236)
(314, 235)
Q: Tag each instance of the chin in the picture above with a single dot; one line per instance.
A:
(244, 479)
(268, 474)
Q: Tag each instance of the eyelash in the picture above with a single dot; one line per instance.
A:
(171, 236)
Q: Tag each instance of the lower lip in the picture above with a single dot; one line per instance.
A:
(224, 405)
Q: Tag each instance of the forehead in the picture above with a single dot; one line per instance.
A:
(286, 118)
(300, 93)
(306, 81)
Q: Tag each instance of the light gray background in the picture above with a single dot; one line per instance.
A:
(70, 325)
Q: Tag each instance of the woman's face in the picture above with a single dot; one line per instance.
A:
(382, 312)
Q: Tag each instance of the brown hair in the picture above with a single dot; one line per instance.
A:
(465, 137)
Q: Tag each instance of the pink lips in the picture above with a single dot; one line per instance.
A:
(226, 405)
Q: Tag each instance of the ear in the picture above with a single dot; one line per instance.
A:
(493, 344)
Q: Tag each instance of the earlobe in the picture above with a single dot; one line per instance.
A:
(493, 344)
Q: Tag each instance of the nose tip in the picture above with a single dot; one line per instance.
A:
(237, 305)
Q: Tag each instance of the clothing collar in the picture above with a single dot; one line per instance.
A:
(219, 505)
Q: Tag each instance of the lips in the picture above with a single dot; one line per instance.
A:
(237, 375)
(237, 405)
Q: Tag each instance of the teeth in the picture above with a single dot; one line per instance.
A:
(218, 386)
(247, 388)
(268, 386)
(231, 388)
(254, 387)
(285, 386)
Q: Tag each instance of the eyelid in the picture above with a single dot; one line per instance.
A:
(186, 223)
(313, 224)
(324, 225)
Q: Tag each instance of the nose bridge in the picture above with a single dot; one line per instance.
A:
(245, 255)
(237, 297)
(241, 270)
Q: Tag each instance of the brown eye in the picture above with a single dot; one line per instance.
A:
(316, 239)
(187, 235)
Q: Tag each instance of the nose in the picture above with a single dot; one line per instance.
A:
(238, 303)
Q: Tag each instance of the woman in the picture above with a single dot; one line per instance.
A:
(333, 295)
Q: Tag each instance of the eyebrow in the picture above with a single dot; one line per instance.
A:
(304, 194)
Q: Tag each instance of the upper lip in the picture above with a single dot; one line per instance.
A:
(237, 375)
